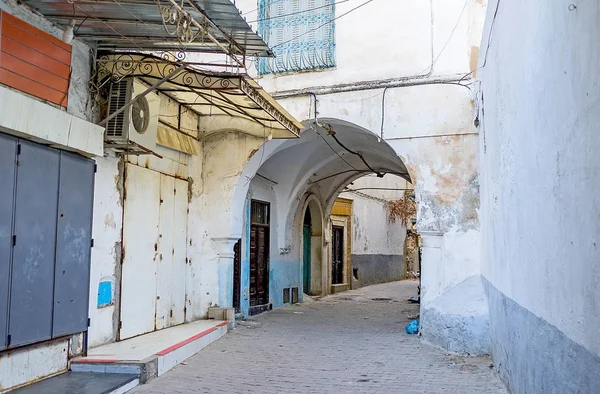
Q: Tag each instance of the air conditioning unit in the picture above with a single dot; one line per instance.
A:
(138, 124)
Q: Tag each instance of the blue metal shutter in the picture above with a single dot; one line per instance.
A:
(34, 253)
(8, 157)
(74, 235)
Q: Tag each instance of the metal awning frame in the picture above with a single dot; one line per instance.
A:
(230, 94)
(157, 25)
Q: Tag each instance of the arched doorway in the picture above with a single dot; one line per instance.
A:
(301, 179)
(312, 247)
(306, 268)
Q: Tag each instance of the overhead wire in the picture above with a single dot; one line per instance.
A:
(332, 133)
(449, 38)
(323, 138)
(299, 12)
(323, 24)
(489, 43)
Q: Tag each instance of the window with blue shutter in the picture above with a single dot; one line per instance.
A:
(300, 32)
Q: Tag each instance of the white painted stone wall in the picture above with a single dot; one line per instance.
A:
(419, 51)
(372, 233)
(106, 253)
(540, 110)
(391, 40)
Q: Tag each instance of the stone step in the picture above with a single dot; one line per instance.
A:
(82, 383)
(151, 355)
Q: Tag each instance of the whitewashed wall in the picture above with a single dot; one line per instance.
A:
(372, 233)
(540, 106)
(419, 50)
(377, 244)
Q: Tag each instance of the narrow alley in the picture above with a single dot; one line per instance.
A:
(350, 342)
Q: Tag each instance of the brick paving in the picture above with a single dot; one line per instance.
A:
(353, 342)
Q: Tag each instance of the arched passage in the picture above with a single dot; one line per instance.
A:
(303, 177)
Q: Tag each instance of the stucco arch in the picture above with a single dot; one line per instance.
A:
(301, 164)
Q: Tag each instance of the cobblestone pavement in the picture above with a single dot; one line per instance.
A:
(353, 342)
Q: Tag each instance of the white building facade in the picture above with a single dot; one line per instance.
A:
(392, 80)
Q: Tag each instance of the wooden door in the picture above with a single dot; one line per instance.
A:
(259, 254)
(237, 275)
(306, 251)
(337, 258)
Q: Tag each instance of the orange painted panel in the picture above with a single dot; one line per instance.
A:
(34, 42)
(37, 74)
(34, 57)
(33, 61)
(40, 33)
(31, 87)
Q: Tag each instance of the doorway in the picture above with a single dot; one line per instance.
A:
(153, 273)
(306, 252)
(337, 258)
(259, 256)
(237, 275)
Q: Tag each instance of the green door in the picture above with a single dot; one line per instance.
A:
(306, 246)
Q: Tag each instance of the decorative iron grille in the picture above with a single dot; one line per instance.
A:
(301, 34)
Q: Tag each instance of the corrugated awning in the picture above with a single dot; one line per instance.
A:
(139, 25)
(223, 100)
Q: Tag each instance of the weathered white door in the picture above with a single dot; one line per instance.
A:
(164, 282)
(154, 239)
(140, 241)
(179, 264)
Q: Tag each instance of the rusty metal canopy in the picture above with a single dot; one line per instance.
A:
(224, 101)
(138, 25)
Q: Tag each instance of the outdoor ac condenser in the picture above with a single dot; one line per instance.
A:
(138, 124)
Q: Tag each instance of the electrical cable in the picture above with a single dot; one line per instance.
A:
(334, 175)
(107, 25)
(379, 188)
(323, 138)
(487, 49)
(320, 26)
(383, 112)
(299, 12)
(332, 133)
(449, 38)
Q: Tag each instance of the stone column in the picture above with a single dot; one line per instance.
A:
(225, 255)
(431, 265)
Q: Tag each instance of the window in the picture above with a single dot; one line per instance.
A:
(300, 32)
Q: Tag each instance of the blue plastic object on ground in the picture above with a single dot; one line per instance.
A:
(412, 327)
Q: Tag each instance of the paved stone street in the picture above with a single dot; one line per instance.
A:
(353, 342)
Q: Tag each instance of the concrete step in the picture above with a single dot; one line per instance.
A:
(82, 383)
(151, 355)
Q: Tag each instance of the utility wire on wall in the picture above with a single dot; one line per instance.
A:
(324, 24)
(298, 12)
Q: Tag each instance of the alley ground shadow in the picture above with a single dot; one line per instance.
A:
(352, 342)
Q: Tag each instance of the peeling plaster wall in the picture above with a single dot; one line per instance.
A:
(540, 110)
(438, 143)
(211, 238)
(106, 253)
(430, 126)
